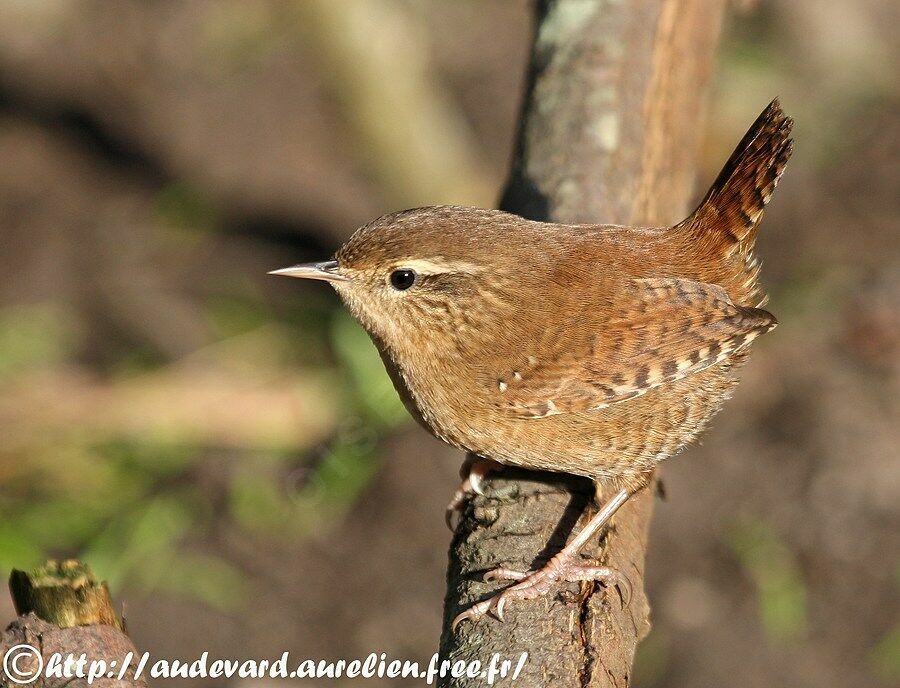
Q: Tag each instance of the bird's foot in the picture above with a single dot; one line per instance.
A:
(474, 470)
(563, 567)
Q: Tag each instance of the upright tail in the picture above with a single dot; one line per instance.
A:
(727, 218)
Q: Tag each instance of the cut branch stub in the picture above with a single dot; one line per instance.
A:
(65, 594)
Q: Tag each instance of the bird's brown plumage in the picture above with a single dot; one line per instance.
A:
(593, 349)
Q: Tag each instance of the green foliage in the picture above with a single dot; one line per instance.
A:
(652, 658)
(885, 656)
(269, 495)
(187, 209)
(144, 544)
(55, 523)
(17, 549)
(345, 470)
(780, 587)
(372, 390)
(278, 498)
(138, 536)
(199, 576)
(34, 336)
(128, 525)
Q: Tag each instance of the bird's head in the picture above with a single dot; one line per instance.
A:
(424, 273)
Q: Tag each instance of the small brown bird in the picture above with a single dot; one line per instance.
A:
(598, 350)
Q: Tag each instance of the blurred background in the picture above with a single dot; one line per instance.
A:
(224, 447)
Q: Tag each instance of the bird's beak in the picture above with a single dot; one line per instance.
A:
(326, 270)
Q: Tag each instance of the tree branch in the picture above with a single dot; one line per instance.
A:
(609, 133)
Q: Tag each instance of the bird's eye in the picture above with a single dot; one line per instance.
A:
(401, 280)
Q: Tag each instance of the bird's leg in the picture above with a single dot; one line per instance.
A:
(473, 472)
(566, 565)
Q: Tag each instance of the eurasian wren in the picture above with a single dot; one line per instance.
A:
(598, 350)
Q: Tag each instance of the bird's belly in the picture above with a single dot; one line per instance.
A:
(622, 440)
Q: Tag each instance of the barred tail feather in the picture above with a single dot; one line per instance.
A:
(728, 216)
(735, 202)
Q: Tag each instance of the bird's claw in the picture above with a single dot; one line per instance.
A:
(498, 608)
(474, 472)
(623, 585)
(475, 612)
(501, 574)
(537, 583)
(462, 494)
(493, 605)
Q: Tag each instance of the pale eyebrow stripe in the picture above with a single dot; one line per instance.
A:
(436, 266)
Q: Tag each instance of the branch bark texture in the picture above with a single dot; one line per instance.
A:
(609, 133)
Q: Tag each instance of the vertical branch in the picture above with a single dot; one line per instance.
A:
(609, 133)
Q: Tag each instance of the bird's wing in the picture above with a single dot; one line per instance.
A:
(667, 329)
